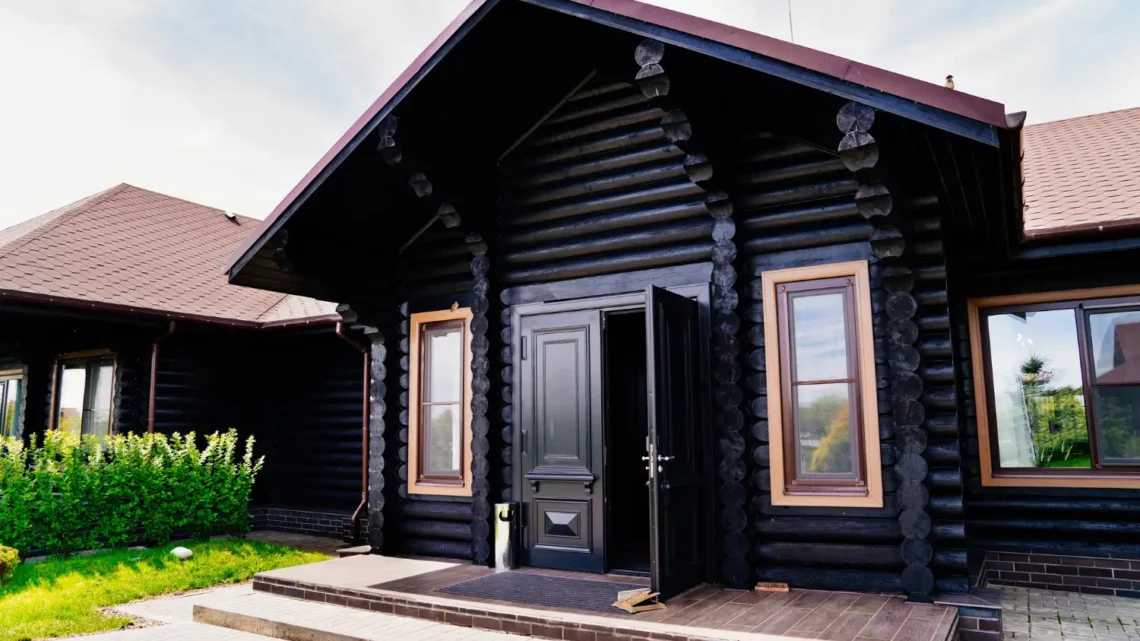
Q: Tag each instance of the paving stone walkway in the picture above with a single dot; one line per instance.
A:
(1046, 615)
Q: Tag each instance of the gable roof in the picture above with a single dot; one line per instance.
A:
(1082, 174)
(136, 250)
(976, 118)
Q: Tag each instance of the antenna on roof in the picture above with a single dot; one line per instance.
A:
(232, 217)
(791, 31)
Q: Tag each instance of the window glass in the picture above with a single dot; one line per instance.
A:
(99, 419)
(72, 385)
(444, 363)
(442, 446)
(10, 396)
(1115, 344)
(825, 433)
(820, 336)
(1039, 402)
(1118, 416)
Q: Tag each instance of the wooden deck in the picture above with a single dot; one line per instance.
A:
(411, 587)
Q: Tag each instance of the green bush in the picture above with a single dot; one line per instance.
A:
(66, 494)
(9, 559)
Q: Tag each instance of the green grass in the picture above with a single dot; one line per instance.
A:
(1076, 461)
(60, 596)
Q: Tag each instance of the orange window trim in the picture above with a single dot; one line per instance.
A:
(868, 400)
(995, 478)
(416, 485)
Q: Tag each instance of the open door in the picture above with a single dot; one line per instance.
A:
(676, 482)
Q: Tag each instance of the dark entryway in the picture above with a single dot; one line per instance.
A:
(610, 436)
(626, 430)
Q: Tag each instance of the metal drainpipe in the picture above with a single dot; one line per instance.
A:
(364, 427)
(154, 377)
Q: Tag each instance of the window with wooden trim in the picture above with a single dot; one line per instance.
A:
(822, 403)
(439, 403)
(1057, 380)
(11, 401)
(84, 393)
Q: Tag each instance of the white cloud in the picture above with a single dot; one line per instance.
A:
(233, 114)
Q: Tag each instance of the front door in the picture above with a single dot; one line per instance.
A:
(676, 483)
(560, 440)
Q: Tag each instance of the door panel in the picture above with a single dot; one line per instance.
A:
(560, 436)
(676, 479)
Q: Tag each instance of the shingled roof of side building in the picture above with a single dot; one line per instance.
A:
(1082, 175)
(134, 250)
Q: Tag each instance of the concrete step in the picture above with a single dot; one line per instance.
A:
(294, 620)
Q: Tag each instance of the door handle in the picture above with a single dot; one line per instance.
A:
(665, 459)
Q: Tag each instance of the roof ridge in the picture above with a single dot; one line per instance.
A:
(80, 206)
(191, 202)
(1092, 115)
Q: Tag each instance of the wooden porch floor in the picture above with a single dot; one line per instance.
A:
(411, 587)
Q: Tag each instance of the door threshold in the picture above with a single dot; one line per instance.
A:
(640, 573)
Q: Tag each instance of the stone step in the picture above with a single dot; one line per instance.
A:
(293, 620)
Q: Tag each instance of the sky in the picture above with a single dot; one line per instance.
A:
(228, 103)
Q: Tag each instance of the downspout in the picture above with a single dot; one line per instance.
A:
(355, 522)
(154, 377)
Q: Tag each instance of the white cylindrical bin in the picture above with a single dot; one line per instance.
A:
(506, 535)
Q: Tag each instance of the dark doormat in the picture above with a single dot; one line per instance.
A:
(550, 591)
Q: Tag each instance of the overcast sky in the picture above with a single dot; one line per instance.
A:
(229, 102)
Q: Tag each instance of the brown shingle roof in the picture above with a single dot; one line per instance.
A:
(1082, 173)
(136, 249)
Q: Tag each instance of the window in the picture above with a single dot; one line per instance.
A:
(1059, 381)
(84, 385)
(11, 401)
(439, 403)
(822, 404)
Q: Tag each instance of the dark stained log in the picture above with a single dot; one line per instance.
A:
(671, 169)
(902, 331)
(901, 306)
(828, 168)
(630, 261)
(928, 248)
(605, 142)
(946, 505)
(832, 235)
(932, 321)
(434, 547)
(1066, 527)
(946, 478)
(916, 551)
(932, 298)
(820, 579)
(803, 193)
(938, 372)
(942, 425)
(762, 504)
(914, 523)
(950, 531)
(624, 117)
(1072, 504)
(951, 558)
(606, 222)
(646, 236)
(944, 452)
(918, 582)
(936, 347)
(810, 256)
(829, 555)
(906, 386)
(377, 395)
(887, 242)
(859, 151)
(873, 201)
(909, 413)
(445, 530)
(480, 526)
(805, 214)
(387, 146)
(931, 273)
(438, 511)
(952, 584)
(591, 204)
(827, 529)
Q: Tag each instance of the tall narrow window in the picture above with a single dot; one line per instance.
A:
(1057, 376)
(439, 396)
(84, 389)
(11, 401)
(822, 408)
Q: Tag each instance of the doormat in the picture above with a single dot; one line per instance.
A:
(549, 591)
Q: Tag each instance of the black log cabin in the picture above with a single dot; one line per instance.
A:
(114, 317)
(699, 300)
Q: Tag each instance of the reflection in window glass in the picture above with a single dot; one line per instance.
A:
(824, 431)
(820, 336)
(11, 388)
(1118, 414)
(1115, 343)
(1039, 401)
(85, 391)
(441, 414)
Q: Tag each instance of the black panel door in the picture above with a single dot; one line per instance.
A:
(676, 479)
(560, 436)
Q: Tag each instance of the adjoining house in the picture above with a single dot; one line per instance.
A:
(715, 307)
(115, 318)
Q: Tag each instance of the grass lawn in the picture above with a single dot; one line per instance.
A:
(60, 596)
(1077, 461)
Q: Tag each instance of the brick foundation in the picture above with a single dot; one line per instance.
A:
(1084, 574)
(331, 523)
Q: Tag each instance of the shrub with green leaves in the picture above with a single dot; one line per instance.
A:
(66, 493)
(9, 559)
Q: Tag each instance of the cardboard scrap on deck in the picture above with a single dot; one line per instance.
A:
(639, 600)
(771, 587)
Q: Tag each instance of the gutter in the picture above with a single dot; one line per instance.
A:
(354, 523)
(154, 377)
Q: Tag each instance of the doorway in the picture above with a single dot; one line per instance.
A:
(626, 430)
(610, 414)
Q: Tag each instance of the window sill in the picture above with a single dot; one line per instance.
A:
(1094, 481)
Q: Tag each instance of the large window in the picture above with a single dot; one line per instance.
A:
(11, 401)
(439, 403)
(822, 407)
(1058, 376)
(84, 390)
